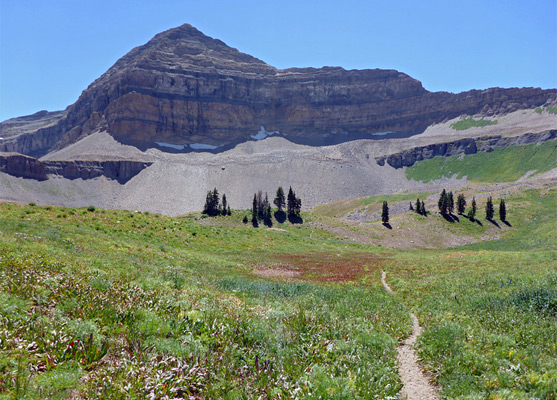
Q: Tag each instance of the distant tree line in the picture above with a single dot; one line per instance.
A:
(261, 210)
(446, 207)
(287, 207)
(419, 207)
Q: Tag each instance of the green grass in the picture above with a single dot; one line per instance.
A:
(343, 207)
(467, 123)
(550, 109)
(118, 304)
(489, 309)
(503, 164)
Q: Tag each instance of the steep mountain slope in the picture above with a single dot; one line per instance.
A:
(184, 88)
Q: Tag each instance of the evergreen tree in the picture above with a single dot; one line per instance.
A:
(460, 204)
(224, 210)
(228, 212)
(450, 202)
(254, 212)
(442, 203)
(472, 211)
(212, 203)
(260, 205)
(267, 219)
(410, 208)
(502, 210)
(424, 211)
(294, 204)
(418, 206)
(279, 200)
(489, 210)
(385, 213)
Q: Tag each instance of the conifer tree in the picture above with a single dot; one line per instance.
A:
(502, 210)
(254, 212)
(424, 211)
(410, 207)
(212, 203)
(294, 204)
(260, 205)
(418, 206)
(442, 203)
(450, 202)
(385, 213)
(224, 210)
(460, 204)
(279, 200)
(489, 210)
(472, 211)
(267, 219)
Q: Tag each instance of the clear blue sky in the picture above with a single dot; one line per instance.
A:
(52, 50)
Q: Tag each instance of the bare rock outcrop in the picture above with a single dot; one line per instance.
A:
(23, 166)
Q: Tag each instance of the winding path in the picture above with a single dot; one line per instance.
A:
(416, 385)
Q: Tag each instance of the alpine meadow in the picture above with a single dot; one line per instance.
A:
(200, 224)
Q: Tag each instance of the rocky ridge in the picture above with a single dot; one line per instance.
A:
(22, 166)
(407, 158)
(183, 88)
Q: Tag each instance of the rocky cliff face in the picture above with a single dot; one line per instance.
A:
(183, 87)
(28, 167)
(408, 158)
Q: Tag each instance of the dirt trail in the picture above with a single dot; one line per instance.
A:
(416, 385)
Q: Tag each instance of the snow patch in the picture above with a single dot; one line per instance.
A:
(262, 134)
(172, 146)
(201, 146)
(381, 133)
(193, 146)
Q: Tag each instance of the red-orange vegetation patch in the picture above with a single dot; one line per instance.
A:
(458, 255)
(323, 267)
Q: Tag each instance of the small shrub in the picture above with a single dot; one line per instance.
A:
(91, 208)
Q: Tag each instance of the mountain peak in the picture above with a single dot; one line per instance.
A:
(188, 48)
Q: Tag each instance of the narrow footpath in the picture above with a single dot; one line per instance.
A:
(416, 385)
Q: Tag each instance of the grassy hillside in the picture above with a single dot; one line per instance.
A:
(368, 204)
(118, 304)
(503, 164)
(114, 304)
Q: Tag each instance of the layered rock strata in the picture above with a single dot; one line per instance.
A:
(22, 166)
(184, 88)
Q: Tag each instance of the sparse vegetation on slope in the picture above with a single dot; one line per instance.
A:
(503, 164)
(467, 123)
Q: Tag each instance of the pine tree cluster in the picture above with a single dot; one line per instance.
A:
(446, 203)
(420, 207)
(262, 212)
(213, 205)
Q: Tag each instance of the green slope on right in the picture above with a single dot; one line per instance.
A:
(503, 164)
